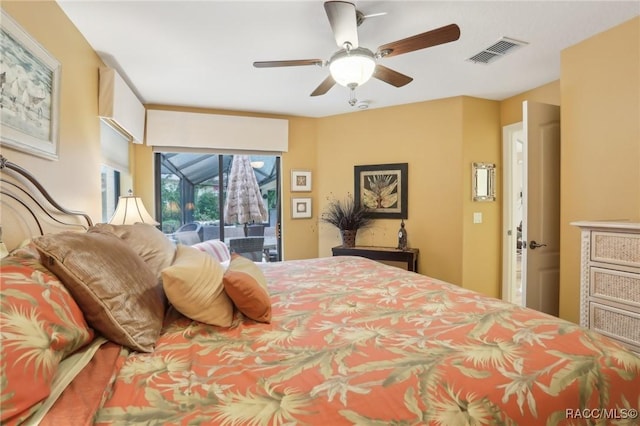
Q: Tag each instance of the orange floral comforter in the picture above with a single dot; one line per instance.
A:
(356, 342)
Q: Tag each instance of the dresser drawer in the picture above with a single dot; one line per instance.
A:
(616, 248)
(617, 286)
(619, 324)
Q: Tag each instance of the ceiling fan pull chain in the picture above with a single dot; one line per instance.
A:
(352, 96)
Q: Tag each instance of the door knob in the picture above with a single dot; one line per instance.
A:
(534, 245)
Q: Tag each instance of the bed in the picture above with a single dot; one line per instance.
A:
(336, 340)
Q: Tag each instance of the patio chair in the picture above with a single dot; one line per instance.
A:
(255, 230)
(210, 232)
(191, 226)
(270, 250)
(249, 247)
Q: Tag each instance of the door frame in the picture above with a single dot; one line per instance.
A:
(509, 228)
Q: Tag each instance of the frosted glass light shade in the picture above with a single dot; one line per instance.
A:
(131, 210)
(352, 68)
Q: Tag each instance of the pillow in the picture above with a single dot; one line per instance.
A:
(246, 285)
(146, 240)
(216, 248)
(28, 255)
(41, 325)
(117, 292)
(193, 284)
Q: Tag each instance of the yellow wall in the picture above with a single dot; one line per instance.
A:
(481, 244)
(600, 143)
(300, 235)
(427, 136)
(511, 108)
(79, 131)
(439, 140)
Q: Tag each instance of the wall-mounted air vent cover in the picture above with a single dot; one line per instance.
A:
(498, 49)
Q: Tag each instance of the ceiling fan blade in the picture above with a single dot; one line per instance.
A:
(361, 17)
(324, 87)
(390, 76)
(342, 18)
(420, 41)
(292, 63)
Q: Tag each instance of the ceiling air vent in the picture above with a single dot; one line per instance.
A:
(498, 49)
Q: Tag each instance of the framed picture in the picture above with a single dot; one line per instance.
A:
(382, 188)
(29, 94)
(301, 208)
(300, 180)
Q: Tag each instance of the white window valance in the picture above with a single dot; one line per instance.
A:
(119, 107)
(215, 131)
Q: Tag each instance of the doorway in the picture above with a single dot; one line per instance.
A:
(531, 209)
(513, 211)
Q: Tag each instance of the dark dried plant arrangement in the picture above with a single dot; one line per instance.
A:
(346, 214)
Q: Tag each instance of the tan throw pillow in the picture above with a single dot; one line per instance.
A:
(117, 292)
(246, 285)
(193, 285)
(149, 242)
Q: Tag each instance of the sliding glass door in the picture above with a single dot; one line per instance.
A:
(219, 196)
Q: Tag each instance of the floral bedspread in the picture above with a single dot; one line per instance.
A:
(356, 342)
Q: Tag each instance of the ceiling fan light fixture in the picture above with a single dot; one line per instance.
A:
(351, 68)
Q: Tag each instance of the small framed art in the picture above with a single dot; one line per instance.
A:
(301, 208)
(300, 180)
(383, 189)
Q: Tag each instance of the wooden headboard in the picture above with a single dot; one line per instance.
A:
(27, 209)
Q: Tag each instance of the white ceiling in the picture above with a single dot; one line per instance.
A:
(200, 53)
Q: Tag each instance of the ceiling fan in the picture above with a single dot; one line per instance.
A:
(352, 65)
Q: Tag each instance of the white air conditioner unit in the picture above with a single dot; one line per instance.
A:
(119, 107)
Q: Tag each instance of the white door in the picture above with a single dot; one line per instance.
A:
(541, 222)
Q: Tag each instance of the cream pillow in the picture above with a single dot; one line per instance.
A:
(193, 284)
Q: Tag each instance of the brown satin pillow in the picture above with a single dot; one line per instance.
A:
(193, 285)
(246, 285)
(146, 240)
(117, 292)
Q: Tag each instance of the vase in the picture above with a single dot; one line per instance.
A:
(348, 237)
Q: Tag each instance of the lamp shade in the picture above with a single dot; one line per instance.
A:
(131, 210)
(351, 68)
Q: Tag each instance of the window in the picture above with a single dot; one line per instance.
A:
(110, 183)
(191, 189)
(115, 158)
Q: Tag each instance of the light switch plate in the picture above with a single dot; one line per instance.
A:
(477, 217)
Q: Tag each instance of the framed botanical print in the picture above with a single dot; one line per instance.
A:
(300, 180)
(383, 189)
(30, 91)
(301, 208)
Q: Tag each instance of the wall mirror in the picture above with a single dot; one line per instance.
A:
(484, 181)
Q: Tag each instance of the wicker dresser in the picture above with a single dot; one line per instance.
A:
(610, 280)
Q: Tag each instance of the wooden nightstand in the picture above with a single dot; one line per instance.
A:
(409, 256)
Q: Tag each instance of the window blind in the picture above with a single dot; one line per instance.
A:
(115, 148)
